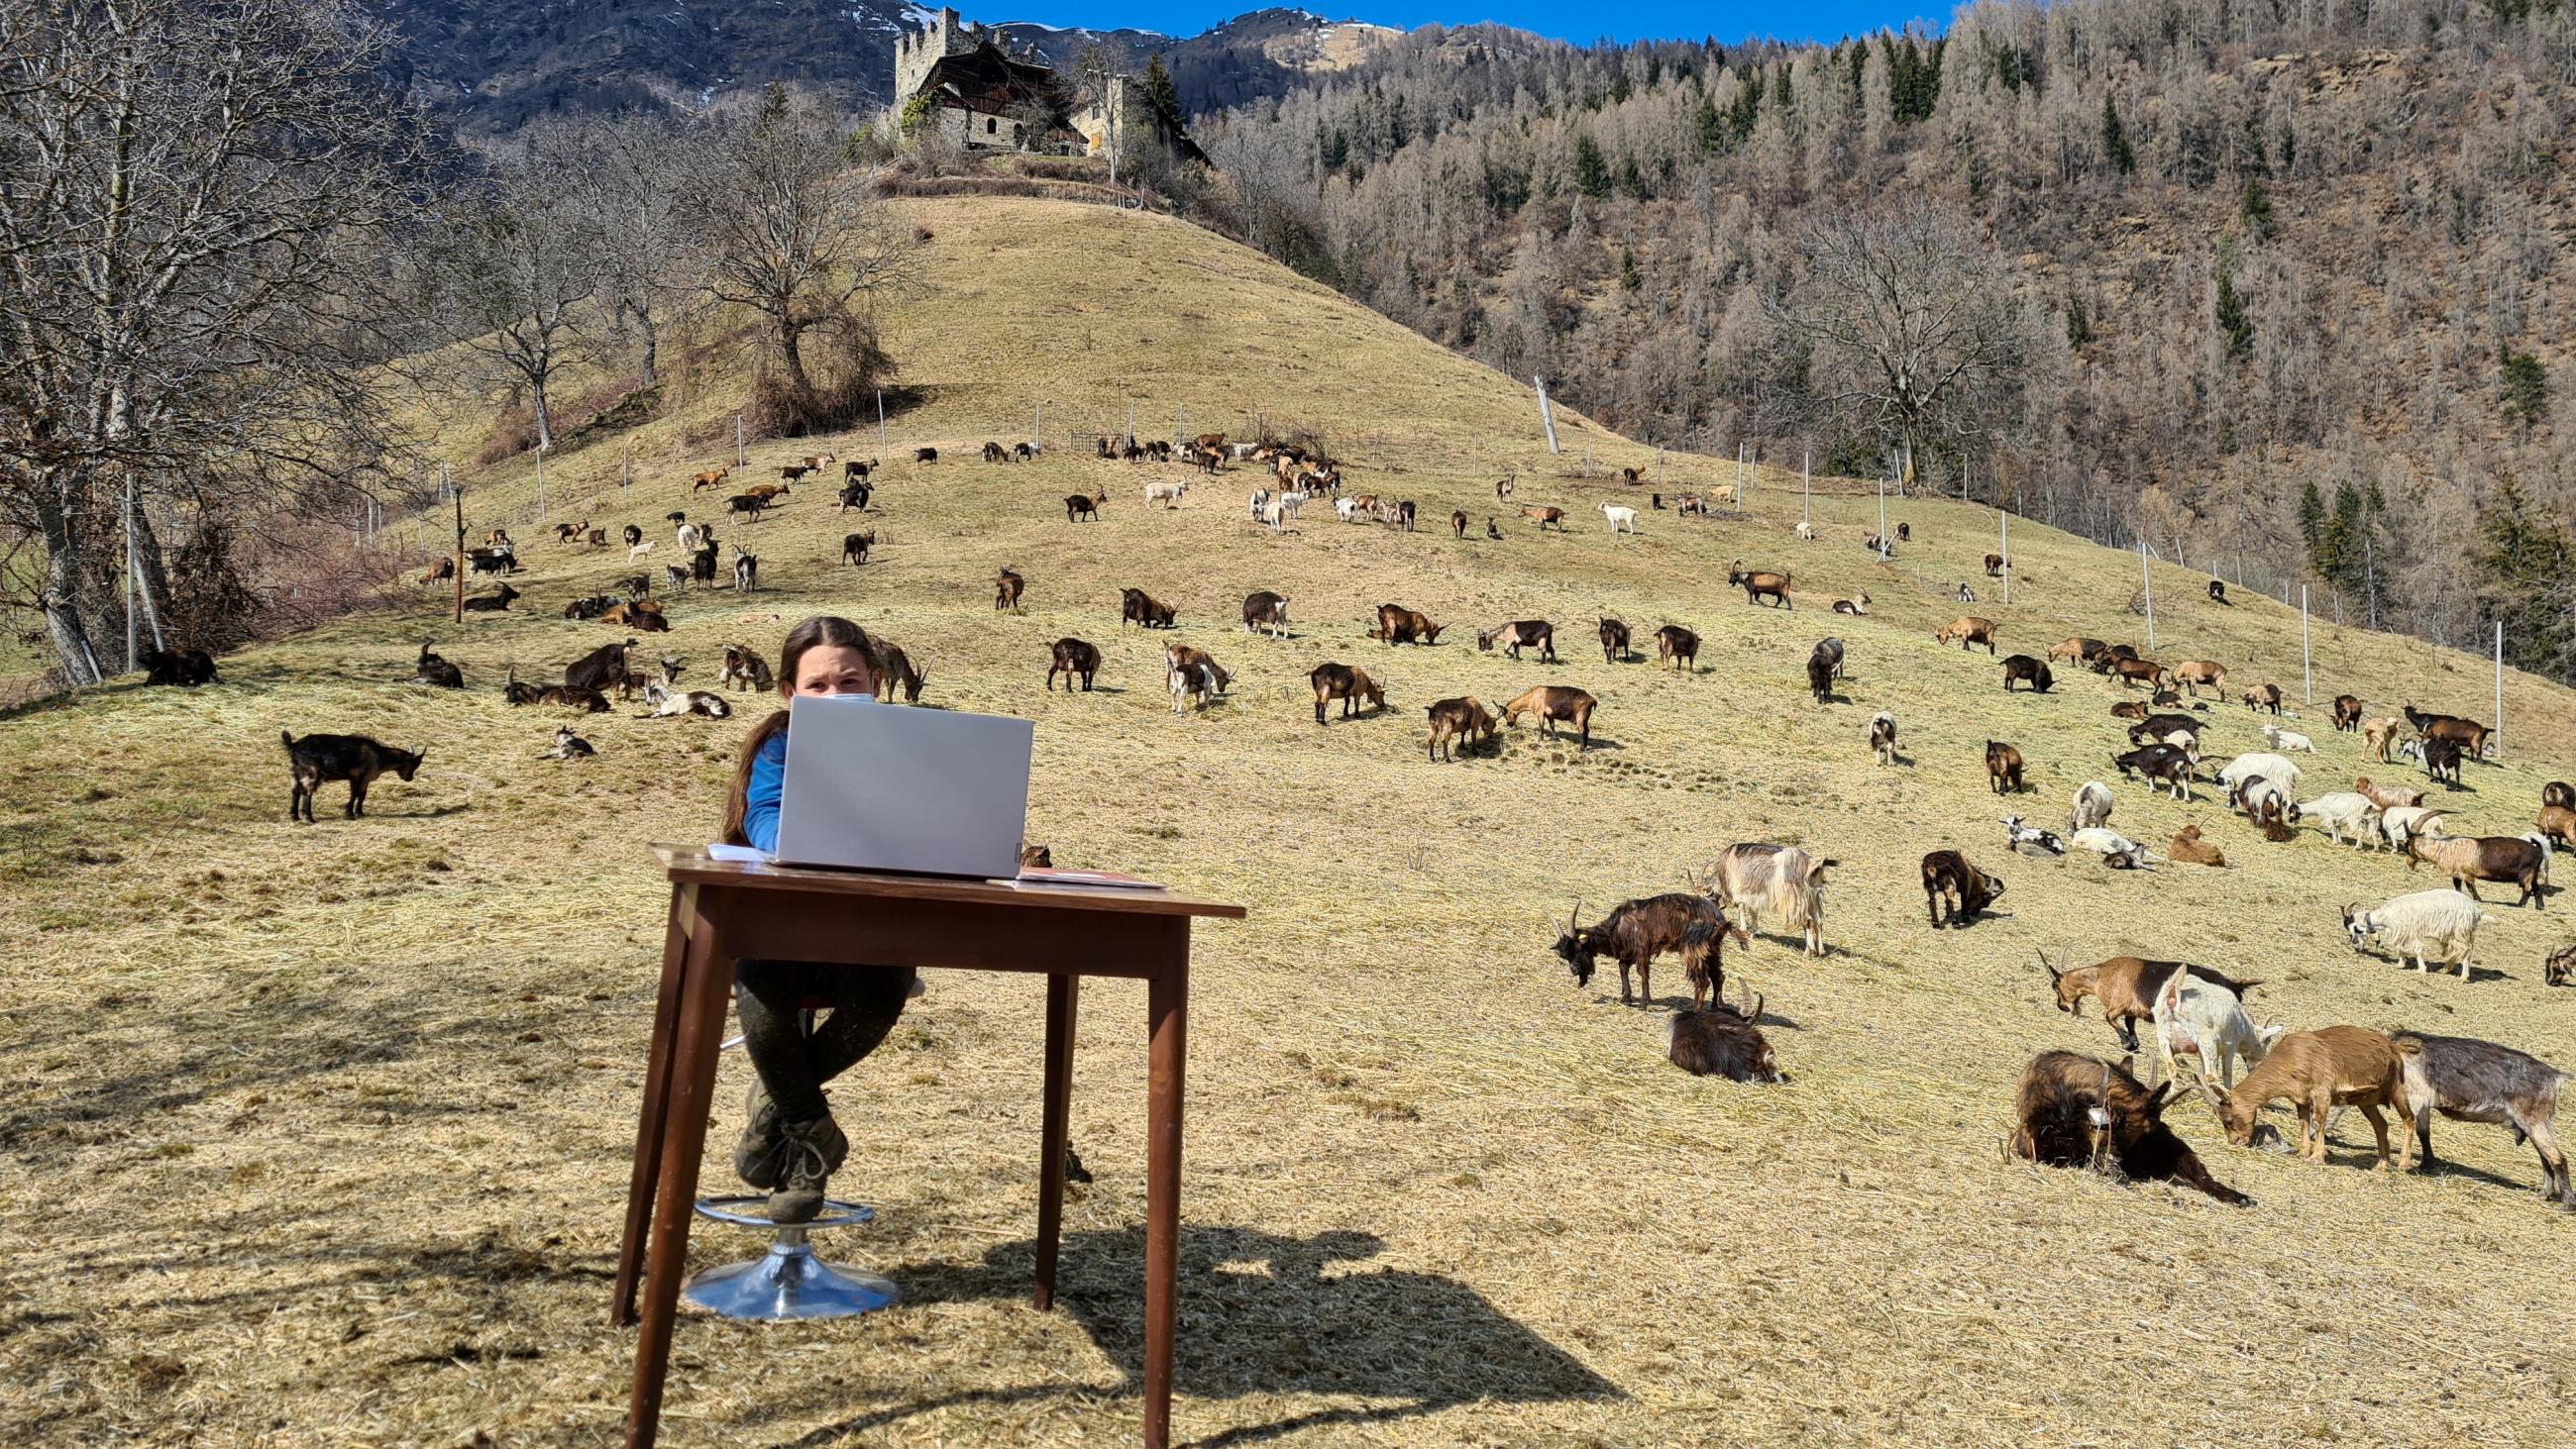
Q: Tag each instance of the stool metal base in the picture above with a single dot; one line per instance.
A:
(788, 1281)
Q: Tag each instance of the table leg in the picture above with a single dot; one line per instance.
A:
(1168, 1008)
(648, 1122)
(705, 988)
(1062, 991)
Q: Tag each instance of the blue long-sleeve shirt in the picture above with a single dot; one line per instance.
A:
(761, 795)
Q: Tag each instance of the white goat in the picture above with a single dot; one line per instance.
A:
(1755, 878)
(2441, 918)
(1806, 530)
(1346, 509)
(2344, 810)
(666, 702)
(692, 538)
(2204, 1019)
(2092, 805)
(2281, 739)
(1622, 520)
(2408, 821)
(1167, 494)
(2117, 850)
(635, 551)
(2275, 768)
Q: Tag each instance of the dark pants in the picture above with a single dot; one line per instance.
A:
(863, 1002)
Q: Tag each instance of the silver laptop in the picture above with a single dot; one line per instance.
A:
(889, 787)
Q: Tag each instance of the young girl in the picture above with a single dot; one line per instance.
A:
(790, 1144)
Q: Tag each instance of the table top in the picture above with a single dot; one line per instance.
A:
(690, 864)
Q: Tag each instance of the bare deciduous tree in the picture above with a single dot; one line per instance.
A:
(513, 268)
(629, 194)
(192, 197)
(1913, 324)
(791, 231)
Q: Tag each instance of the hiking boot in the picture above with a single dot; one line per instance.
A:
(755, 1153)
(808, 1154)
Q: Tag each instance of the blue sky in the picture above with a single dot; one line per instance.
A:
(1728, 20)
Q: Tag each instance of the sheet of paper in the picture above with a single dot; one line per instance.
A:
(738, 854)
(1047, 875)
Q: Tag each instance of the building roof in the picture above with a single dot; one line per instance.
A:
(986, 80)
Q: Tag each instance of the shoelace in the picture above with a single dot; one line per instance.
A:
(797, 1151)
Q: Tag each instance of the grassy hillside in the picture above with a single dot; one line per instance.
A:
(322, 1130)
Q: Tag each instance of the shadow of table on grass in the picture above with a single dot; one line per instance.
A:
(1266, 1314)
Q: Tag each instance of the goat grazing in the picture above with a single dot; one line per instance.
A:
(2401, 823)
(2347, 714)
(2468, 734)
(1454, 720)
(1722, 1040)
(1823, 664)
(2513, 860)
(2557, 825)
(2092, 806)
(1073, 658)
(2158, 762)
(2478, 1081)
(2443, 920)
(2262, 697)
(2026, 670)
(1634, 934)
(357, 759)
(1555, 704)
(2191, 674)
(895, 670)
(1350, 686)
(1266, 611)
(1137, 607)
(1397, 624)
(1194, 676)
(2335, 1066)
(2339, 811)
(1967, 629)
(2199, 1018)
(2126, 987)
(1948, 879)
(2075, 1111)
(2384, 796)
(1008, 585)
(2076, 649)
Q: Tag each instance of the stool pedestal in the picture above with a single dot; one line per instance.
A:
(788, 1281)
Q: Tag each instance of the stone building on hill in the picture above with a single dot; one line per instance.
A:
(956, 77)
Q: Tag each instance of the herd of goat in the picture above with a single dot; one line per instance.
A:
(2071, 1109)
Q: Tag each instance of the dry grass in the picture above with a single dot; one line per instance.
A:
(318, 1134)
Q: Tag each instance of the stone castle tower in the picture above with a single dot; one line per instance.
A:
(914, 55)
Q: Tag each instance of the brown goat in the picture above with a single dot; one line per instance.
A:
(2262, 697)
(1350, 686)
(1454, 720)
(2127, 986)
(1007, 587)
(2003, 768)
(2558, 792)
(2074, 1111)
(2512, 860)
(2191, 674)
(1678, 647)
(1948, 879)
(2336, 1066)
(1967, 629)
(1614, 640)
(2130, 671)
(1759, 584)
(1722, 1040)
(2189, 849)
(1634, 934)
(2347, 713)
(2076, 648)
(1135, 606)
(1072, 657)
(2468, 734)
(1555, 703)
(2386, 797)
(1545, 516)
(1397, 624)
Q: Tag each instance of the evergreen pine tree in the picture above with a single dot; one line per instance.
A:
(2115, 140)
(2232, 320)
(2312, 514)
(1591, 173)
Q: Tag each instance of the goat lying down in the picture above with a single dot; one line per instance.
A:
(666, 702)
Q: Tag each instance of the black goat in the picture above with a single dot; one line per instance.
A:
(436, 671)
(2074, 1111)
(354, 758)
(187, 668)
(1723, 1041)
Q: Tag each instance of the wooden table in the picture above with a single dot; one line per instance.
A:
(724, 910)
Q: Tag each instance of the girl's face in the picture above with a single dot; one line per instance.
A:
(832, 669)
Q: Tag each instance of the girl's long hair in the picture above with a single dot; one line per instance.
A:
(820, 631)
